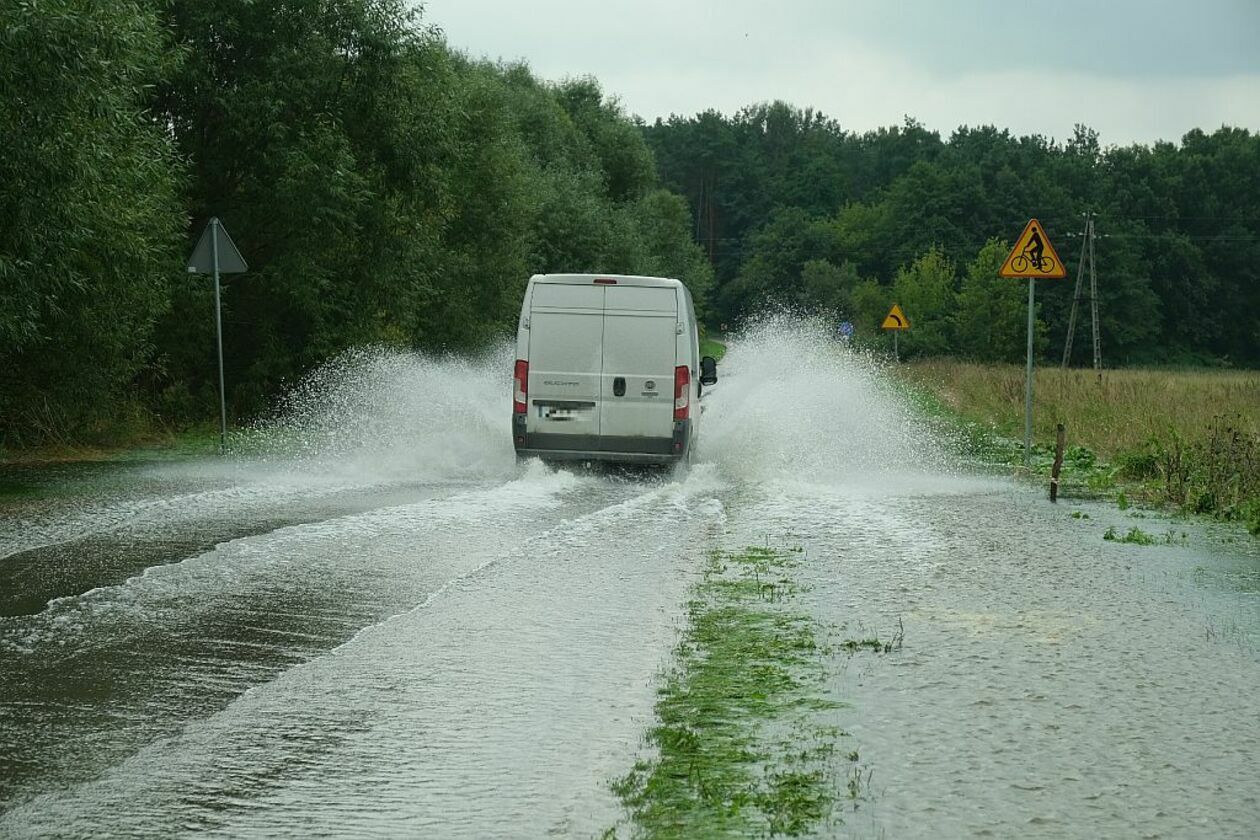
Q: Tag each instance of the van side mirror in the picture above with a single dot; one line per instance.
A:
(708, 370)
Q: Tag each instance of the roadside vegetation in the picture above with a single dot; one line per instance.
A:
(387, 189)
(1187, 440)
(384, 188)
(741, 747)
(712, 347)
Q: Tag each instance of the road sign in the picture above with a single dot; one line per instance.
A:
(216, 254)
(202, 260)
(1033, 256)
(895, 319)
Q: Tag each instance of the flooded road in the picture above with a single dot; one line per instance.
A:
(374, 623)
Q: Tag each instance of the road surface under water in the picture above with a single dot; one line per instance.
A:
(373, 622)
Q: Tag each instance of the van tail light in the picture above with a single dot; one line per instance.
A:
(520, 386)
(682, 392)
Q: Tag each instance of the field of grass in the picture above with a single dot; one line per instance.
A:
(1123, 412)
(1190, 439)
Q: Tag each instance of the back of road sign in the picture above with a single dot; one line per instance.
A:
(202, 259)
(895, 319)
(1033, 256)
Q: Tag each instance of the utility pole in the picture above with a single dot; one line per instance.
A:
(1093, 302)
(1087, 254)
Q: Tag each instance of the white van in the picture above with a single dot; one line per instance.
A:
(607, 369)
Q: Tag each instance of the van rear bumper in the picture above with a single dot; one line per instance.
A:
(627, 450)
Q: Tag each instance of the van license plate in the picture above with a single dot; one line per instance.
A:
(548, 413)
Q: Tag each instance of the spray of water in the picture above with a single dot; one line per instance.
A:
(379, 415)
(792, 403)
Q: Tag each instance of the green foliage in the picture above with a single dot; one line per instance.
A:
(828, 287)
(925, 292)
(711, 347)
(990, 322)
(870, 304)
(1135, 536)
(387, 189)
(383, 188)
(1217, 473)
(91, 216)
(1186, 440)
(778, 253)
(1177, 225)
(739, 751)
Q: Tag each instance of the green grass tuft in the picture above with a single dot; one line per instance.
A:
(748, 665)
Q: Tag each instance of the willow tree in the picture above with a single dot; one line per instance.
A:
(88, 195)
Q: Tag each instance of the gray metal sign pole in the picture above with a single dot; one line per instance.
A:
(214, 257)
(218, 334)
(1028, 386)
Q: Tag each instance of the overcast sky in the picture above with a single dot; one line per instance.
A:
(1135, 71)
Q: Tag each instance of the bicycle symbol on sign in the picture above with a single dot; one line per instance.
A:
(1032, 257)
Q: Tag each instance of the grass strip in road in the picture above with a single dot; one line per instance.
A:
(740, 747)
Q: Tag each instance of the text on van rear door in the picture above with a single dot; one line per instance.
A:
(565, 355)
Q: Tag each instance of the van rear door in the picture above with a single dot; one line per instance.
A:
(566, 338)
(640, 332)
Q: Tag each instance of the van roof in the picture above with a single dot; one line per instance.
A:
(622, 279)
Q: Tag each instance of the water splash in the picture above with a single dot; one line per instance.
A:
(376, 414)
(794, 404)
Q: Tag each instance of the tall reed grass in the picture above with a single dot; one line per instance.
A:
(1186, 438)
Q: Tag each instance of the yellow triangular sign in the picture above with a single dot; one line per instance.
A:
(1033, 256)
(895, 319)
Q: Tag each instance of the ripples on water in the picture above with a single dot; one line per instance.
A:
(393, 629)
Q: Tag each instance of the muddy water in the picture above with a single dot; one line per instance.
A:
(370, 621)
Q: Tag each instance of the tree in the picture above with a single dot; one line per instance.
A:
(828, 287)
(777, 254)
(990, 323)
(91, 213)
(925, 291)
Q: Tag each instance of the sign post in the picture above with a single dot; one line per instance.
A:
(1033, 256)
(1028, 374)
(896, 321)
(216, 254)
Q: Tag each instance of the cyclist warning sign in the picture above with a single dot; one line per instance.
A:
(895, 319)
(1033, 256)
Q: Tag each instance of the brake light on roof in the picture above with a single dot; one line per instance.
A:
(682, 392)
(520, 386)
(605, 281)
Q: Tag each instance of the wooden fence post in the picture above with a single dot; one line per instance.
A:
(1060, 435)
